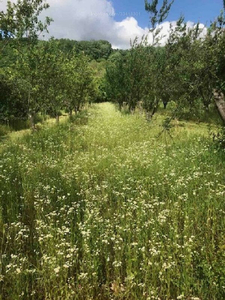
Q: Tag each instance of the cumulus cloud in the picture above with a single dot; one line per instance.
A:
(89, 19)
(94, 19)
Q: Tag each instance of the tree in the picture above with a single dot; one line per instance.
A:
(11, 95)
(79, 84)
(86, 89)
(117, 81)
(155, 56)
(52, 78)
(158, 15)
(194, 67)
(21, 22)
(217, 43)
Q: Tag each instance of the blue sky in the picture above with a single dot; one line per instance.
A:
(202, 11)
(119, 21)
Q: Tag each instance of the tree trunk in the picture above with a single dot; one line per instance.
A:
(154, 111)
(77, 109)
(220, 103)
(57, 119)
(165, 104)
(31, 113)
(147, 115)
(32, 122)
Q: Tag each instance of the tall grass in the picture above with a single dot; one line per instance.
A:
(99, 208)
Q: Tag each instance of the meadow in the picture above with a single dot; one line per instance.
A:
(101, 207)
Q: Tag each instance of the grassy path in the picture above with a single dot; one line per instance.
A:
(100, 208)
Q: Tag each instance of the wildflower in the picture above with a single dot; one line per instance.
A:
(56, 270)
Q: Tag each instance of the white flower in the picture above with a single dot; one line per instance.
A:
(56, 270)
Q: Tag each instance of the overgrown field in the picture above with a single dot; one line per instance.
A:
(100, 208)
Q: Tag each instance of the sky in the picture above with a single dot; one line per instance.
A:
(119, 21)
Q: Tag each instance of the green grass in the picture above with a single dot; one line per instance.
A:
(100, 208)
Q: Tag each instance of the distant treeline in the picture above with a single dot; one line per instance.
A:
(94, 49)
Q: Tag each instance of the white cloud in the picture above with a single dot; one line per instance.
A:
(94, 19)
(91, 19)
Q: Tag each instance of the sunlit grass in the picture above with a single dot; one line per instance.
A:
(103, 208)
(14, 136)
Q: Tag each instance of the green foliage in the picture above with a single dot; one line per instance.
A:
(112, 209)
(158, 15)
(21, 20)
(116, 80)
(137, 77)
(52, 78)
(79, 84)
(186, 70)
(11, 97)
(44, 79)
(130, 75)
(38, 76)
(96, 50)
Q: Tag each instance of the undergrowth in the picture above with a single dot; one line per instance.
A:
(100, 207)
